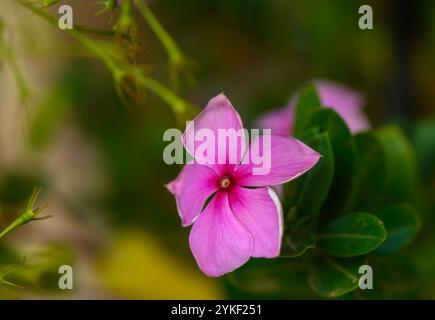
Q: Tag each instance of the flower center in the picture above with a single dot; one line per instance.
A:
(225, 182)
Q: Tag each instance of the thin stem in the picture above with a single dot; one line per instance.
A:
(9, 228)
(28, 215)
(101, 32)
(168, 43)
(178, 104)
(16, 71)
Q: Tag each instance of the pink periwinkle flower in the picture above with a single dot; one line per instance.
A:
(346, 102)
(235, 213)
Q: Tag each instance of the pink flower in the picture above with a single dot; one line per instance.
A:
(243, 218)
(346, 102)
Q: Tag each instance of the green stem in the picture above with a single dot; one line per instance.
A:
(18, 221)
(28, 215)
(100, 32)
(168, 43)
(11, 227)
(178, 104)
(16, 71)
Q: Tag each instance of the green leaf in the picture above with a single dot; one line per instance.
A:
(352, 235)
(296, 242)
(402, 177)
(345, 157)
(402, 223)
(333, 277)
(312, 189)
(278, 278)
(370, 179)
(308, 103)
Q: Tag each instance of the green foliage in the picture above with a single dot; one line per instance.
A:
(369, 184)
(312, 189)
(130, 79)
(296, 242)
(360, 204)
(352, 235)
(401, 169)
(109, 6)
(29, 214)
(333, 277)
(345, 157)
(402, 223)
(37, 270)
(308, 103)
(357, 206)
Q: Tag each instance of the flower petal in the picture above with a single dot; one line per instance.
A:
(191, 189)
(260, 212)
(288, 159)
(218, 240)
(217, 116)
(278, 121)
(346, 102)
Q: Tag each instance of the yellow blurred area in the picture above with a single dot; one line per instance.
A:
(134, 266)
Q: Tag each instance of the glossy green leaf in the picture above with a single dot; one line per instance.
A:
(345, 157)
(402, 176)
(352, 235)
(312, 189)
(308, 103)
(402, 224)
(296, 242)
(370, 179)
(333, 277)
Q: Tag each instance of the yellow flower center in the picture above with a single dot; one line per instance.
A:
(225, 182)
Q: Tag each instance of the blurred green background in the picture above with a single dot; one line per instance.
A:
(100, 161)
